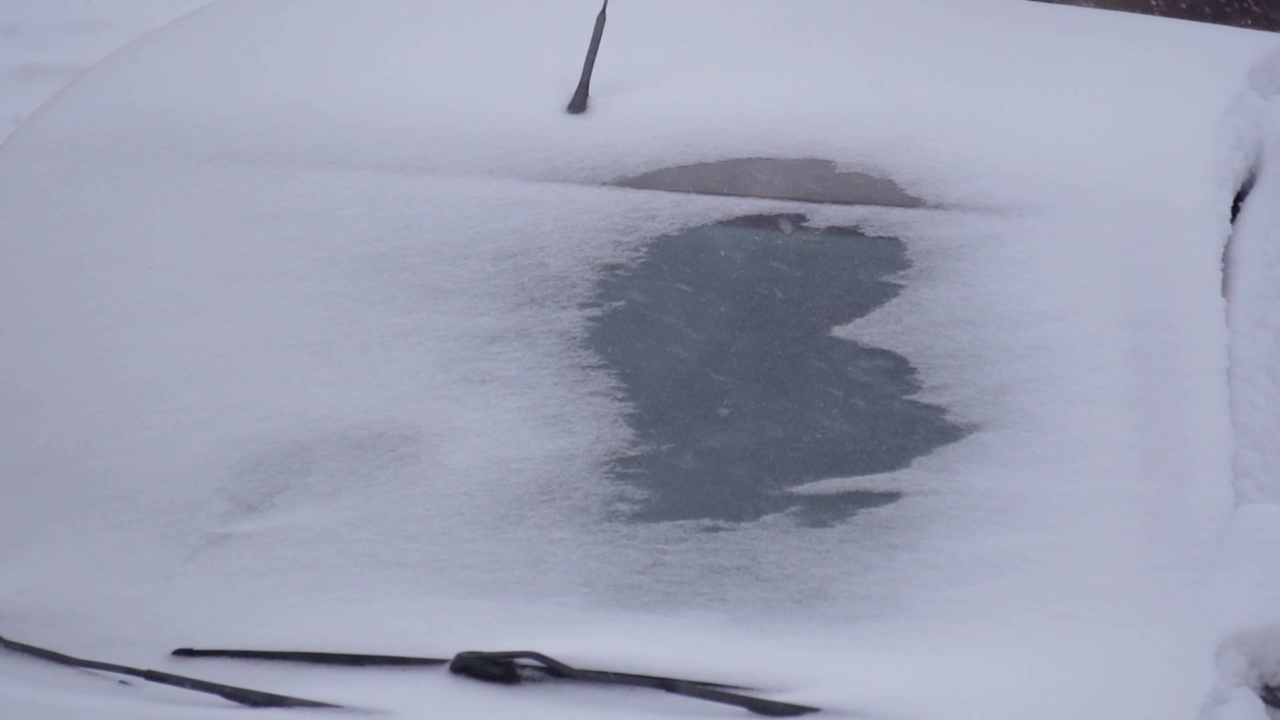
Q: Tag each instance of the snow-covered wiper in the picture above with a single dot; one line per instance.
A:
(239, 695)
(517, 666)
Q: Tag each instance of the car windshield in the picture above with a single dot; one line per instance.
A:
(871, 357)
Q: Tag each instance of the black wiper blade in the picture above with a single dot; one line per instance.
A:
(314, 658)
(472, 664)
(238, 695)
(516, 666)
(503, 667)
(548, 665)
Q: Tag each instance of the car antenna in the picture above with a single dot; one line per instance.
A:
(578, 104)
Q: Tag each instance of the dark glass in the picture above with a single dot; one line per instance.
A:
(720, 337)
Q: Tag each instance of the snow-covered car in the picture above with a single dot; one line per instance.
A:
(893, 359)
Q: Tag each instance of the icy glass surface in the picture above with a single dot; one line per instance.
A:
(721, 337)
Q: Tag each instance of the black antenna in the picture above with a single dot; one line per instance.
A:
(578, 104)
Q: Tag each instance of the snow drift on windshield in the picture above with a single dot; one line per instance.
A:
(292, 303)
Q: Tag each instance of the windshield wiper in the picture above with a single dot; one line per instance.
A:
(501, 667)
(239, 695)
(516, 666)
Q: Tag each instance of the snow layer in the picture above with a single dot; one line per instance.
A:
(45, 44)
(290, 310)
(1255, 257)
(1248, 582)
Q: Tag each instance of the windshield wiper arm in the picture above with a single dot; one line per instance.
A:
(314, 658)
(238, 695)
(470, 664)
(516, 666)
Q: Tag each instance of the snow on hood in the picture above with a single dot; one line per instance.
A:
(292, 302)
(993, 96)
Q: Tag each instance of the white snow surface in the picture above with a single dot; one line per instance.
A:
(1248, 580)
(44, 44)
(290, 319)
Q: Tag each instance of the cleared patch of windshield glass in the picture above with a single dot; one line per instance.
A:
(804, 179)
(720, 338)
